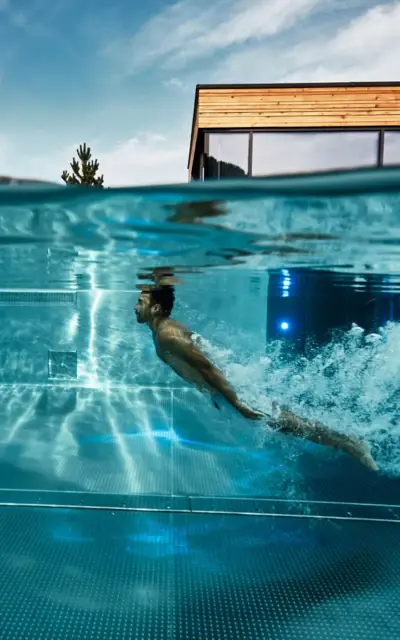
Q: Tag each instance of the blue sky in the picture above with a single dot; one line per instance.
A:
(121, 75)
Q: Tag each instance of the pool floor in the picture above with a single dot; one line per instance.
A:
(97, 573)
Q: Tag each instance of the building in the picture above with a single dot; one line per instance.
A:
(260, 130)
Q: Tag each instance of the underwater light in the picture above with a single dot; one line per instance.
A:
(284, 326)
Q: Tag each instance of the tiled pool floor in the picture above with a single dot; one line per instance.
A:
(102, 574)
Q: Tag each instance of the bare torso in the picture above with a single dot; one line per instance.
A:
(162, 343)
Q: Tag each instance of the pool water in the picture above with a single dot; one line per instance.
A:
(130, 506)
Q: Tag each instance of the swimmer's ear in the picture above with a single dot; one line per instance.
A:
(157, 308)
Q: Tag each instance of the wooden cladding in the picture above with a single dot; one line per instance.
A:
(302, 107)
(295, 107)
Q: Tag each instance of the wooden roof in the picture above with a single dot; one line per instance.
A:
(295, 106)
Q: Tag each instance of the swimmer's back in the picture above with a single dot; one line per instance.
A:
(172, 342)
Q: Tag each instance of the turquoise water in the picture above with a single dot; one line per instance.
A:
(294, 285)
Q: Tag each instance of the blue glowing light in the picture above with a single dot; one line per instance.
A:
(284, 326)
(286, 283)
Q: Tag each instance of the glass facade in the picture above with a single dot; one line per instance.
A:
(263, 153)
(228, 155)
(277, 153)
(391, 152)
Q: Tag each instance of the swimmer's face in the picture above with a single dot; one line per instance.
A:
(145, 311)
(142, 308)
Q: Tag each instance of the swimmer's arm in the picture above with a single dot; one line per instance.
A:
(212, 376)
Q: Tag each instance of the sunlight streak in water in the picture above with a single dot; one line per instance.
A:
(73, 326)
(92, 372)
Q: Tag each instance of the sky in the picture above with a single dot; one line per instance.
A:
(121, 75)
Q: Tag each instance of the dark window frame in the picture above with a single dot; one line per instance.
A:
(380, 131)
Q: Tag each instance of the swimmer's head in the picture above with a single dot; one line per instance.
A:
(154, 302)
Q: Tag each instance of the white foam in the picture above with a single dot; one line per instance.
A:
(351, 384)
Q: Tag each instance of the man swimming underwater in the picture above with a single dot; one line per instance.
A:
(175, 346)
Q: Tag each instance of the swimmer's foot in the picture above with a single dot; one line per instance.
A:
(361, 452)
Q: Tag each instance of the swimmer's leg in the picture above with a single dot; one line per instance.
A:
(290, 424)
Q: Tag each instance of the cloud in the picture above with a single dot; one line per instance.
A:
(6, 149)
(184, 32)
(366, 48)
(255, 20)
(174, 83)
(16, 17)
(29, 20)
(147, 158)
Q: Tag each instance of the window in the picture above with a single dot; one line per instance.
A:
(275, 153)
(391, 150)
(228, 155)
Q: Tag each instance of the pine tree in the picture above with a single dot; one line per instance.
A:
(85, 172)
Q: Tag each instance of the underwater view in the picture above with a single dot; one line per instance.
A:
(200, 426)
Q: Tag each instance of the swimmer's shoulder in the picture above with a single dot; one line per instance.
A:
(175, 331)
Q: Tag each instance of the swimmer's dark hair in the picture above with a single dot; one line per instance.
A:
(165, 297)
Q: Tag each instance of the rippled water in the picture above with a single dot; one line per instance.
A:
(292, 282)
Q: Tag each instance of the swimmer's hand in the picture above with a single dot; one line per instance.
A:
(248, 413)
